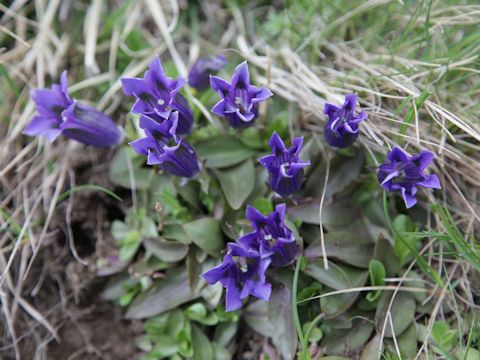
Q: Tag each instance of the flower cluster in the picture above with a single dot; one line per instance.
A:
(242, 271)
(405, 174)
(239, 99)
(341, 129)
(59, 114)
(164, 115)
(285, 169)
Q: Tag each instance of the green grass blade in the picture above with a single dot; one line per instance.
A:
(75, 189)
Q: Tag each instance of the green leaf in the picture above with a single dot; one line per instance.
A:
(256, 316)
(443, 336)
(220, 352)
(176, 232)
(202, 348)
(403, 224)
(280, 316)
(196, 311)
(338, 276)
(119, 173)
(339, 342)
(206, 234)
(168, 251)
(377, 278)
(335, 305)
(402, 312)
(335, 216)
(164, 295)
(222, 151)
(349, 247)
(407, 342)
(225, 332)
(263, 205)
(373, 348)
(237, 183)
(165, 346)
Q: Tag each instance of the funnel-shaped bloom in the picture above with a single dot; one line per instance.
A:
(405, 174)
(342, 128)
(58, 114)
(199, 75)
(157, 95)
(242, 273)
(163, 147)
(240, 99)
(270, 236)
(285, 169)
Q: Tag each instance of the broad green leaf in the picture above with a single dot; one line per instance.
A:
(402, 313)
(349, 247)
(373, 348)
(176, 232)
(256, 316)
(403, 224)
(343, 171)
(443, 336)
(168, 251)
(206, 234)
(119, 173)
(335, 305)
(263, 205)
(222, 151)
(377, 278)
(202, 348)
(407, 342)
(338, 276)
(225, 332)
(220, 352)
(335, 216)
(280, 316)
(165, 346)
(237, 183)
(190, 193)
(384, 252)
(196, 311)
(164, 295)
(339, 342)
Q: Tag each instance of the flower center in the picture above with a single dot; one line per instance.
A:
(161, 102)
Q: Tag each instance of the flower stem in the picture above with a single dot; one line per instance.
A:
(296, 318)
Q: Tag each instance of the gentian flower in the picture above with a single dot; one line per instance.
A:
(270, 236)
(199, 75)
(163, 147)
(285, 169)
(405, 174)
(158, 95)
(59, 114)
(242, 273)
(342, 129)
(240, 99)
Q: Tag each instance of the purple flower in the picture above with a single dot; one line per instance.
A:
(242, 273)
(285, 169)
(158, 95)
(342, 129)
(199, 76)
(163, 147)
(239, 103)
(59, 114)
(271, 238)
(405, 173)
